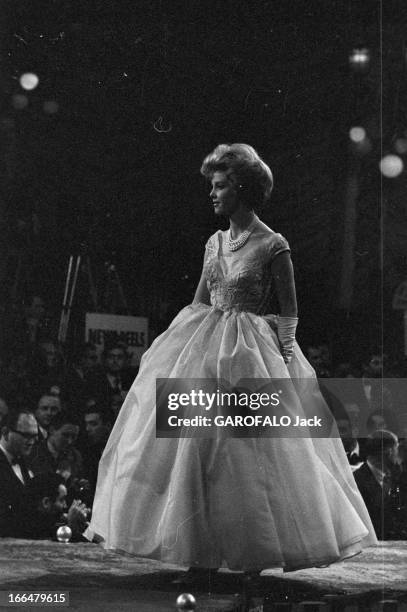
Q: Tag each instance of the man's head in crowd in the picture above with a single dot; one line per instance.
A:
(382, 448)
(50, 354)
(317, 356)
(345, 431)
(344, 427)
(86, 358)
(375, 365)
(376, 421)
(35, 308)
(48, 494)
(19, 433)
(97, 422)
(63, 432)
(47, 407)
(115, 358)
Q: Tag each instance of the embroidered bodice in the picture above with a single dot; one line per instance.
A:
(241, 280)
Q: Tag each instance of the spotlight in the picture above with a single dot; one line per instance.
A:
(391, 166)
(29, 81)
(359, 59)
(357, 134)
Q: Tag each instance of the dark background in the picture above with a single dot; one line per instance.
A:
(144, 91)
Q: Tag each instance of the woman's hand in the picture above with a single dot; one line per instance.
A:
(286, 327)
(77, 516)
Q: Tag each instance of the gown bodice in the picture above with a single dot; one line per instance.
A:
(241, 280)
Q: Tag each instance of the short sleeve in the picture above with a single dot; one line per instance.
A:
(210, 249)
(209, 246)
(278, 244)
(212, 244)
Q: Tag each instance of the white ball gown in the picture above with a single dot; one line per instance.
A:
(244, 503)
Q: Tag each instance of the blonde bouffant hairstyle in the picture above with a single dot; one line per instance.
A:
(245, 169)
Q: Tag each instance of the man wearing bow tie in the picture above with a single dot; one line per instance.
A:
(17, 439)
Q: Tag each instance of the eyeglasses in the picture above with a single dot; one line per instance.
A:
(26, 435)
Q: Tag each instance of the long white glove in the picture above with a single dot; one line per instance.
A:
(286, 327)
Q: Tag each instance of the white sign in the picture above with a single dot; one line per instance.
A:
(102, 329)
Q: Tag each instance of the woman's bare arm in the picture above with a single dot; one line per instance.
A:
(283, 275)
(202, 293)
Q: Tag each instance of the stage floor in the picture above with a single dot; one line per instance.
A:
(99, 580)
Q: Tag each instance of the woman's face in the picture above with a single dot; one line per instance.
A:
(223, 194)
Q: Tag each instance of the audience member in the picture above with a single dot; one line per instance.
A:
(317, 356)
(381, 419)
(17, 375)
(116, 377)
(116, 402)
(375, 396)
(47, 408)
(376, 479)
(403, 474)
(17, 440)
(350, 443)
(27, 324)
(47, 504)
(98, 424)
(48, 368)
(84, 365)
(57, 453)
(347, 369)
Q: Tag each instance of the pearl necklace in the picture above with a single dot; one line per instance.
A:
(234, 245)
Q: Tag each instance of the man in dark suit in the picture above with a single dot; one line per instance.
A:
(376, 479)
(18, 437)
(116, 377)
(98, 424)
(30, 506)
(58, 453)
(84, 367)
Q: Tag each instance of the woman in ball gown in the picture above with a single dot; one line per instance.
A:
(246, 503)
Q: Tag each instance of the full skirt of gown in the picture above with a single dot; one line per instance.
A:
(244, 503)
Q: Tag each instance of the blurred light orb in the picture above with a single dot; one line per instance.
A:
(359, 58)
(19, 101)
(401, 145)
(64, 534)
(357, 134)
(391, 166)
(29, 81)
(51, 107)
(186, 602)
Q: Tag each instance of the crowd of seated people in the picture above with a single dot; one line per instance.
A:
(56, 414)
(57, 411)
(32, 504)
(368, 400)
